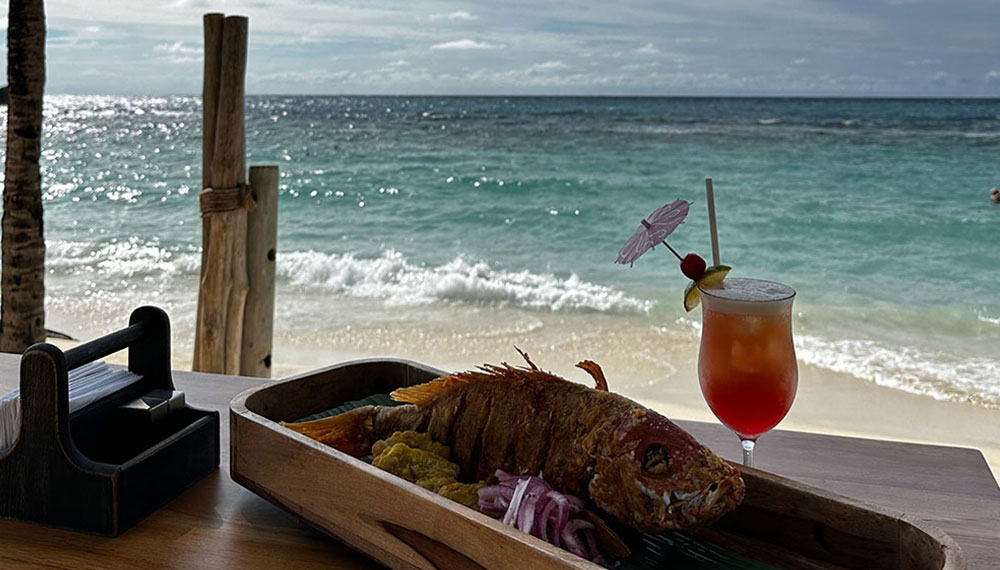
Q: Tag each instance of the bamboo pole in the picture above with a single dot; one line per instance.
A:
(223, 291)
(209, 102)
(262, 237)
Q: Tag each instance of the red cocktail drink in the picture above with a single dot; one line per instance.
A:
(747, 361)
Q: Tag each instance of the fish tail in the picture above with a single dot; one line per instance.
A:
(351, 432)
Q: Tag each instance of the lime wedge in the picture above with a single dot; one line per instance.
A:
(712, 276)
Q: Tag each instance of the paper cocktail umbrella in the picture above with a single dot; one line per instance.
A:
(654, 230)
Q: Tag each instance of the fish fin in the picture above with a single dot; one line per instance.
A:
(351, 432)
(594, 370)
(524, 355)
(423, 393)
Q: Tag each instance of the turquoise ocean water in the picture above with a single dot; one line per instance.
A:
(455, 214)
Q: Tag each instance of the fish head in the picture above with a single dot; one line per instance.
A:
(654, 476)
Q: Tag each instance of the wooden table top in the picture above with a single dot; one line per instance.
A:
(218, 524)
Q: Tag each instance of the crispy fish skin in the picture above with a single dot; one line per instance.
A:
(633, 463)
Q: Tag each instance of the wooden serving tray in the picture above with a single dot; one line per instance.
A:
(782, 523)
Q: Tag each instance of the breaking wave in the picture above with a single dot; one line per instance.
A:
(399, 282)
(390, 277)
(940, 375)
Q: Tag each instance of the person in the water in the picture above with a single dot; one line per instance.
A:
(995, 195)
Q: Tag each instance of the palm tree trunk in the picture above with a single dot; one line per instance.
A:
(22, 288)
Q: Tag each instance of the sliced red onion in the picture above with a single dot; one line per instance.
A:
(502, 476)
(526, 515)
(569, 536)
(531, 505)
(544, 514)
(575, 503)
(494, 499)
(561, 517)
(592, 549)
(515, 503)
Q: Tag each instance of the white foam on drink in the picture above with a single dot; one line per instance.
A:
(748, 297)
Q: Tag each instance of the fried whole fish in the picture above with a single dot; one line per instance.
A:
(631, 462)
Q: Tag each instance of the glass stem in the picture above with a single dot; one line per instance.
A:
(748, 445)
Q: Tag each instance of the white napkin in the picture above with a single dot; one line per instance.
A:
(87, 384)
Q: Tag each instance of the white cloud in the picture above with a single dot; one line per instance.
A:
(466, 44)
(177, 47)
(648, 49)
(182, 59)
(98, 73)
(939, 77)
(992, 76)
(548, 66)
(639, 66)
(800, 61)
(178, 53)
(925, 61)
(532, 77)
(71, 44)
(310, 76)
(457, 15)
(699, 40)
(399, 63)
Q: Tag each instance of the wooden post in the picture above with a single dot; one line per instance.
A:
(262, 237)
(209, 102)
(224, 204)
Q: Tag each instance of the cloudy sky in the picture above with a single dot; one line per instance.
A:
(640, 47)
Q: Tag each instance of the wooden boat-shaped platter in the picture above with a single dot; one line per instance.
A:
(781, 523)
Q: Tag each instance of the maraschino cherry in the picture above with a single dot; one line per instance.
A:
(693, 266)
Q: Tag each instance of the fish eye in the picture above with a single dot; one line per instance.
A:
(655, 460)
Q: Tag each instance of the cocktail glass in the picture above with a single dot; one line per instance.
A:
(746, 364)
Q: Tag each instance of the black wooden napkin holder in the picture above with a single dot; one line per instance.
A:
(98, 470)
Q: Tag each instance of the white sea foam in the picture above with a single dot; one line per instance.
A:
(940, 375)
(986, 319)
(662, 129)
(393, 278)
(119, 258)
(390, 276)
